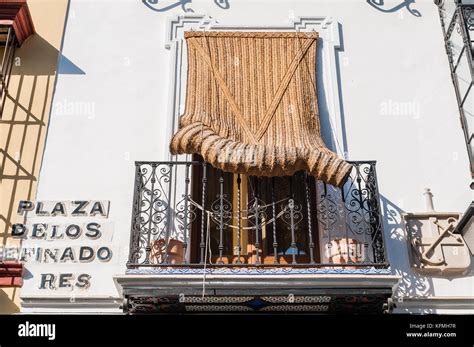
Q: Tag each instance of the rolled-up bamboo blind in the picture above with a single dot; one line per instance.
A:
(251, 105)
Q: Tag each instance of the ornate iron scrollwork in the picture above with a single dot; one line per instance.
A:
(186, 214)
(468, 13)
(222, 210)
(161, 220)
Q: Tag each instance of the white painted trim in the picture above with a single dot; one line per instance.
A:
(257, 281)
(65, 304)
(329, 35)
(436, 303)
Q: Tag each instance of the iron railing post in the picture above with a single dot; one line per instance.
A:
(135, 231)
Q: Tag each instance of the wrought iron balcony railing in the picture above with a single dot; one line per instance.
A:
(457, 22)
(188, 214)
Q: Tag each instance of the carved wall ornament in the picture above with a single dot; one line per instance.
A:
(433, 246)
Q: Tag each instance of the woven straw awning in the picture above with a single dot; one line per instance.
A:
(251, 105)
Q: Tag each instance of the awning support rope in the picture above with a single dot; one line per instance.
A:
(215, 218)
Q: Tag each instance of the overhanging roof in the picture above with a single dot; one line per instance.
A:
(17, 14)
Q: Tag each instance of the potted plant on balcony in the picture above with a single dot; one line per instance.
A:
(345, 251)
(171, 254)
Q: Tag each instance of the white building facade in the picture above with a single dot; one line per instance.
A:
(386, 100)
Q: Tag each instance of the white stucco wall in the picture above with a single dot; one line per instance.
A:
(114, 72)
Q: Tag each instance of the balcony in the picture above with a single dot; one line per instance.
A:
(200, 235)
(457, 22)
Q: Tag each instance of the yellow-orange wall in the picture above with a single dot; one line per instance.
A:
(24, 122)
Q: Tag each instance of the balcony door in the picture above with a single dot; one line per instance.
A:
(254, 220)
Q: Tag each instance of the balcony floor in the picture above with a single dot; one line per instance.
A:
(175, 290)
